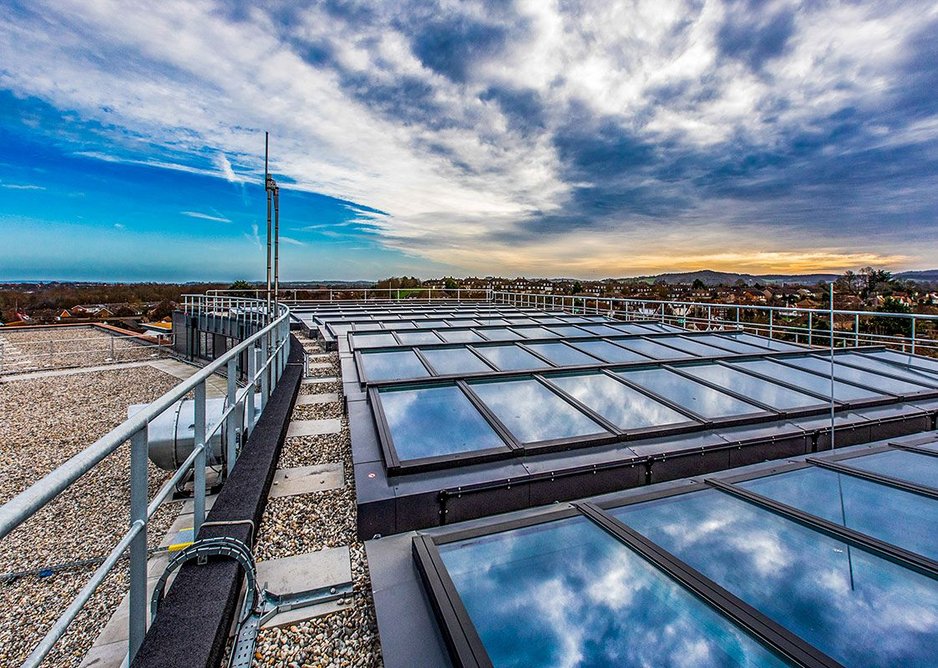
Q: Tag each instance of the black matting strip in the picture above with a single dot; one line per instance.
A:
(191, 628)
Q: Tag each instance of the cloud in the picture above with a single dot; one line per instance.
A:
(21, 186)
(291, 241)
(254, 237)
(529, 136)
(204, 216)
(120, 226)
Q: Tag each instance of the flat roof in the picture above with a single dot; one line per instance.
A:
(821, 560)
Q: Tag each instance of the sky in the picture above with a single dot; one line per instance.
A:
(530, 137)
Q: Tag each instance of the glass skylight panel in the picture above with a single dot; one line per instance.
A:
(892, 515)
(433, 323)
(602, 330)
(807, 381)
(536, 333)
(620, 404)
(366, 326)
(852, 375)
(501, 334)
(491, 321)
(869, 363)
(694, 346)
(901, 464)
(763, 391)
(533, 413)
(567, 593)
(416, 338)
(631, 329)
(609, 352)
(435, 421)
(511, 358)
(462, 322)
(765, 342)
(520, 321)
(373, 340)
(729, 343)
(653, 350)
(550, 321)
(908, 360)
(388, 365)
(661, 327)
(459, 336)
(689, 394)
(561, 354)
(858, 608)
(405, 324)
(569, 331)
(454, 360)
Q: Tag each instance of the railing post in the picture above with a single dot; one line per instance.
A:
(232, 429)
(913, 334)
(810, 328)
(198, 515)
(771, 322)
(252, 372)
(856, 330)
(264, 372)
(137, 619)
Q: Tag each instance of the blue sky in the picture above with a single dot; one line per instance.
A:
(532, 137)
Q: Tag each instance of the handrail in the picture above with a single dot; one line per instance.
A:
(775, 324)
(265, 368)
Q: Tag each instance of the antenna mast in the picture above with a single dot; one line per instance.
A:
(273, 198)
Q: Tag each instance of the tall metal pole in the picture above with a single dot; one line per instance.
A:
(832, 364)
(276, 193)
(267, 190)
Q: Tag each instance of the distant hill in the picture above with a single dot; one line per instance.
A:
(712, 278)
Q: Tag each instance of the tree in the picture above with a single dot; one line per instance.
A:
(240, 285)
(450, 283)
(576, 289)
(698, 284)
(893, 326)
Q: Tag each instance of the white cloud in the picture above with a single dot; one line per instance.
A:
(120, 226)
(454, 171)
(218, 218)
(21, 186)
(291, 241)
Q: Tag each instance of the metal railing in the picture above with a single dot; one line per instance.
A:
(64, 353)
(328, 294)
(910, 332)
(267, 351)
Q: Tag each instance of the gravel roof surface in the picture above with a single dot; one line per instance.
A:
(64, 347)
(309, 522)
(46, 421)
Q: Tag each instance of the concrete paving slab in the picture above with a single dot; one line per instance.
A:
(314, 427)
(324, 398)
(320, 365)
(182, 522)
(317, 381)
(303, 572)
(105, 656)
(188, 506)
(307, 479)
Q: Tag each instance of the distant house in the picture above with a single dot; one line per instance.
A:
(91, 311)
(64, 314)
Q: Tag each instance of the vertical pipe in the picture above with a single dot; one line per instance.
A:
(265, 371)
(832, 364)
(231, 429)
(252, 373)
(198, 515)
(856, 330)
(913, 334)
(268, 193)
(276, 246)
(137, 622)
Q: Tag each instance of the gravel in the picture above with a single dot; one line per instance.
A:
(305, 523)
(46, 421)
(65, 347)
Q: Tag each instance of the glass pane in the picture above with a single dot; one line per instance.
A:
(749, 386)
(414, 338)
(566, 593)
(765, 342)
(561, 354)
(372, 340)
(854, 606)
(569, 331)
(807, 381)
(688, 394)
(610, 352)
(511, 358)
(366, 326)
(459, 336)
(892, 515)
(729, 343)
(620, 404)
(875, 365)
(852, 375)
(434, 323)
(400, 325)
(433, 421)
(382, 366)
(908, 360)
(454, 360)
(536, 333)
(499, 334)
(631, 329)
(601, 330)
(653, 350)
(462, 322)
(901, 464)
(533, 413)
(520, 321)
(694, 346)
(491, 321)
(661, 327)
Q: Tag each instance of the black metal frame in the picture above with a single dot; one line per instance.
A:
(465, 644)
